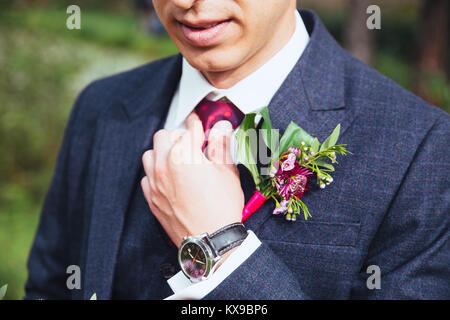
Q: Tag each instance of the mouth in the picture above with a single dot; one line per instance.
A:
(204, 33)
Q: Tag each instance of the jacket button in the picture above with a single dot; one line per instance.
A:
(167, 270)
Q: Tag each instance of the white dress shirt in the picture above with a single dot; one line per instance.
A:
(250, 94)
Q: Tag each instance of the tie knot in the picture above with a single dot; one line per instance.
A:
(211, 112)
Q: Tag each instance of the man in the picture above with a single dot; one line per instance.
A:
(118, 216)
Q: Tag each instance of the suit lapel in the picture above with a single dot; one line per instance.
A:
(127, 132)
(312, 96)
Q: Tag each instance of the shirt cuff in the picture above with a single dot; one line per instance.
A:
(184, 289)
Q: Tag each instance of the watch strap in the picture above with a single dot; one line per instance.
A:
(228, 237)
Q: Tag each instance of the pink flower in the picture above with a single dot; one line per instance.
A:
(274, 169)
(284, 191)
(282, 208)
(289, 163)
(294, 150)
(290, 179)
(297, 184)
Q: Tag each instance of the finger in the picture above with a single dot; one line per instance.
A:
(219, 143)
(163, 140)
(195, 128)
(183, 152)
(147, 190)
(148, 161)
(145, 185)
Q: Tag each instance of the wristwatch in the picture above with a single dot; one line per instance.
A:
(198, 255)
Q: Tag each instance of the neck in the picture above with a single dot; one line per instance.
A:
(227, 79)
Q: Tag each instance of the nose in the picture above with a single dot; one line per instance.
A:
(184, 4)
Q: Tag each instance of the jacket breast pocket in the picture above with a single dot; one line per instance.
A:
(323, 254)
(310, 232)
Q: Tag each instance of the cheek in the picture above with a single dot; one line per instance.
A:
(163, 10)
(253, 35)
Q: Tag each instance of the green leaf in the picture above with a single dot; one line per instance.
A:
(270, 136)
(94, 297)
(3, 291)
(293, 137)
(246, 150)
(324, 164)
(315, 145)
(332, 139)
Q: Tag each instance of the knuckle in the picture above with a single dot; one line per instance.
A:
(147, 156)
(144, 183)
(160, 134)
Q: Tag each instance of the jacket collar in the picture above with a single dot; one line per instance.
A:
(157, 86)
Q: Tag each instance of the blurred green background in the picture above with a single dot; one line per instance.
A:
(43, 66)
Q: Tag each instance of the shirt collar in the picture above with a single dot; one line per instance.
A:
(253, 92)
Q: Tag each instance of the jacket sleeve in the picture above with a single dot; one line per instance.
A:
(263, 276)
(49, 256)
(411, 246)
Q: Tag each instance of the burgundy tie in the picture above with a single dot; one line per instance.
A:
(211, 112)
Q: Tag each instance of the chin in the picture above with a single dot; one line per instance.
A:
(214, 60)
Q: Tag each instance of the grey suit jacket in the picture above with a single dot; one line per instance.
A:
(388, 206)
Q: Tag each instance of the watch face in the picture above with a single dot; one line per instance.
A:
(193, 260)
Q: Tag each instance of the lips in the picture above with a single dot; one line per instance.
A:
(204, 34)
(203, 26)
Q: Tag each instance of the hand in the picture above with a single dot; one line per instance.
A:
(187, 192)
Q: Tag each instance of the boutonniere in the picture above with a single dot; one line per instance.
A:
(295, 159)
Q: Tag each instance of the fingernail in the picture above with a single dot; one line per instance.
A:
(224, 126)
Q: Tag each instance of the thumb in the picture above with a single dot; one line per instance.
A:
(219, 143)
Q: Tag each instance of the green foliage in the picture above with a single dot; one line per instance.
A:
(246, 153)
(439, 89)
(292, 136)
(43, 66)
(3, 291)
(120, 31)
(395, 68)
(315, 146)
(309, 154)
(270, 136)
(332, 139)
